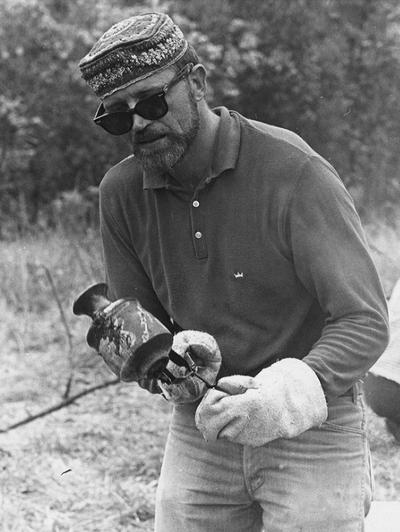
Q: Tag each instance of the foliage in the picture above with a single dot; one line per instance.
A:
(329, 70)
(47, 142)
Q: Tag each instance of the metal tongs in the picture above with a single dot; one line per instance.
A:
(187, 363)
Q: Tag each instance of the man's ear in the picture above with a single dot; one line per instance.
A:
(198, 81)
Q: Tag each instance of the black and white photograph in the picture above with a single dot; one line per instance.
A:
(200, 265)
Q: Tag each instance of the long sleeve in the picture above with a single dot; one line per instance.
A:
(332, 261)
(125, 275)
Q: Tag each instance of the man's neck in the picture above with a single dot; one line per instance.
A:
(196, 163)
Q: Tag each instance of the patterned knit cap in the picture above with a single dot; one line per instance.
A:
(131, 50)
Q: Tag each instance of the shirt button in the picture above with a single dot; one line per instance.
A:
(195, 203)
(198, 234)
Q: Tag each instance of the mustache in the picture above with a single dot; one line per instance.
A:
(148, 134)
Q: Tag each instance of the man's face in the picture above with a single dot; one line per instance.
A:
(159, 144)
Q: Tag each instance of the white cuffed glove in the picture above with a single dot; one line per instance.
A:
(205, 354)
(282, 401)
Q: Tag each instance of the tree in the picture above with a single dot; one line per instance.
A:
(48, 143)
(328, 70)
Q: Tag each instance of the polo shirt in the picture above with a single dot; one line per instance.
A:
(267, 254)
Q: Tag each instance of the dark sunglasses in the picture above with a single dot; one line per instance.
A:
(151, 108)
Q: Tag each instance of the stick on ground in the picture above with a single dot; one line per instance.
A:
(60, 405)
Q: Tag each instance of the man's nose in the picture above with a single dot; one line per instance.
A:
(139, 123)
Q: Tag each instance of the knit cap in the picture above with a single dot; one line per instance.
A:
(132, 50)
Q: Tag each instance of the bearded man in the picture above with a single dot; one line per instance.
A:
(238, 229)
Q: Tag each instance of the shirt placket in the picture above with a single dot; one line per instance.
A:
(197, 224)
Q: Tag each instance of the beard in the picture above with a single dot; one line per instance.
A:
(173, 145)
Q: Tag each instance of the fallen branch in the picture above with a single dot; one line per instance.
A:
(60, 308)
(60, 405)
(66, 327)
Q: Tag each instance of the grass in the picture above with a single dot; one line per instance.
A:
(94, 465)
(90, 467)
(384, 241)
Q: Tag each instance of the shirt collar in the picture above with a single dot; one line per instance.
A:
(225, 154)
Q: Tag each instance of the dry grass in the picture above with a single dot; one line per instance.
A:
(385, 452)
(94, 465)
(384, 241)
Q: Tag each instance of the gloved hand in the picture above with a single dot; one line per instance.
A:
(204, 352)
(282, 401)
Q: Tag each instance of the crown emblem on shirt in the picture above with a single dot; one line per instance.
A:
(238, 275)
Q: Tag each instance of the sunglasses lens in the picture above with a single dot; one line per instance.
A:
(116, 123)
(152, 108)
(121, 122)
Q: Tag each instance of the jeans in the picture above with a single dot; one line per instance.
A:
(320, 481)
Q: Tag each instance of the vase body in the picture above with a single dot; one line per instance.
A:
(133, 343)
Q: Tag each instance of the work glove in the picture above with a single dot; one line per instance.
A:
(282, 401)
(193, 346)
